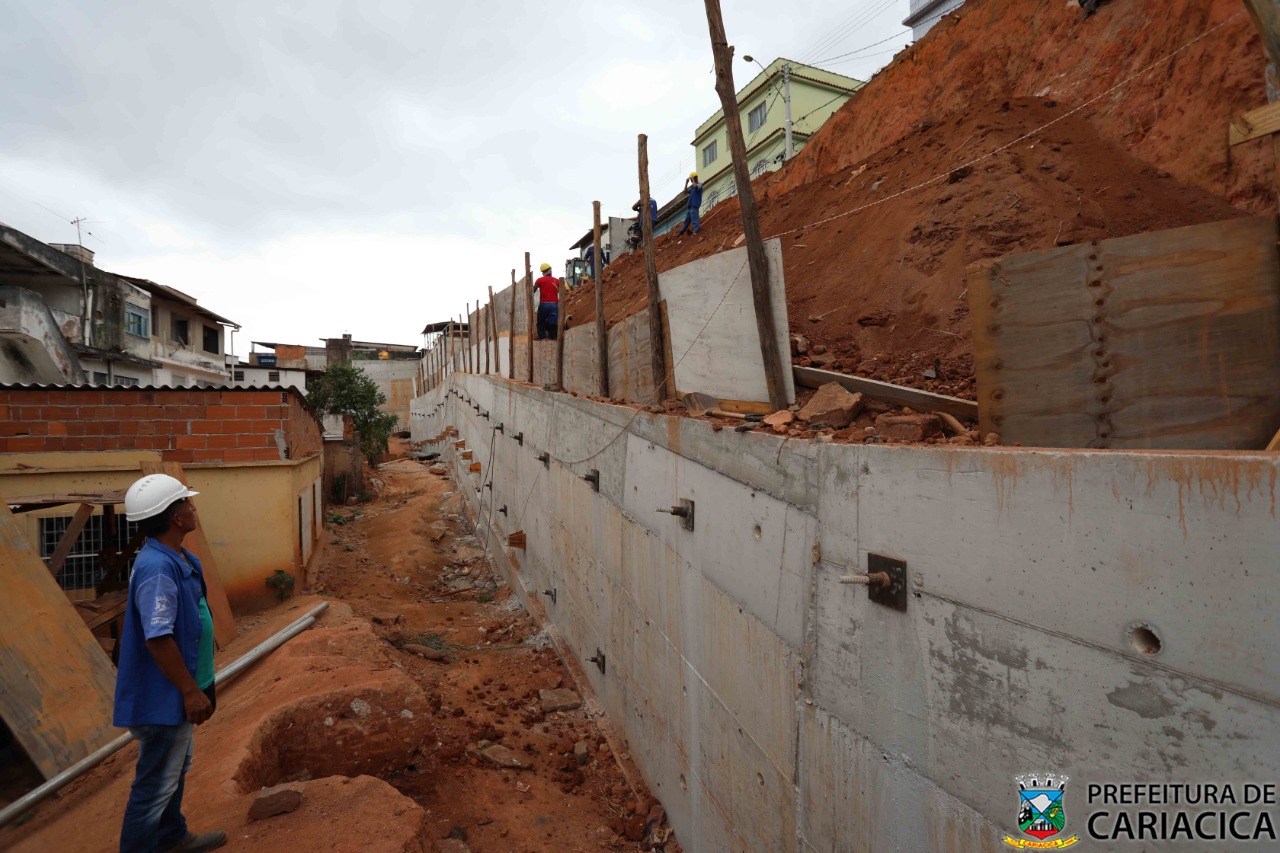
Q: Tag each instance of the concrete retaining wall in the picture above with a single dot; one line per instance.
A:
(773, 708)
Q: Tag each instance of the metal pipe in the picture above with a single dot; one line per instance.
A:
(55, 784)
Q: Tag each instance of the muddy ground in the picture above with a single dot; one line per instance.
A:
(387, 745)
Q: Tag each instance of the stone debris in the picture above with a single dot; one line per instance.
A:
(832, 405)
(582, 751)
(561, 699)
(452, 845)
(439, 470)
(426, 652)
(823, 360)
(780, 420)
(275, 801)
(909, 427)
(499, 755)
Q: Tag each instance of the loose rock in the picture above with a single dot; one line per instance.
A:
(909, 427)
(833, 405)
(780, 420)
(581, 751)
(275, 801)
(498, 754)
(426, 652)
(561, 699)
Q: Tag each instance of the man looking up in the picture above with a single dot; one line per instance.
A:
(164, 684)
(548, 287)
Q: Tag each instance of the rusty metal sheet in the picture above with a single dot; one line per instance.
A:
(56, 684)
(1169, 339)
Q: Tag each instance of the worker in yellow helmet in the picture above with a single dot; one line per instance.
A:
(548, 287)
(694, 189)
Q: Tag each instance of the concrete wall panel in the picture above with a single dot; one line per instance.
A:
(773, 708)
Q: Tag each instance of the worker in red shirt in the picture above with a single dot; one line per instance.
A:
(548, 288)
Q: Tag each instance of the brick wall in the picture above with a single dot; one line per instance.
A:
(196, 425)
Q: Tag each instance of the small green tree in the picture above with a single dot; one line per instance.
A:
(344, 389)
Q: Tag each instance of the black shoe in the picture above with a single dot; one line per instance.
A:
(193, 843)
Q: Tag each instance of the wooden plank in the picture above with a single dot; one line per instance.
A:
(57, 686)
(69, 538)
(1274, 444)
(224, 624)
(1164, 340)
(1255, 124)
(899, 395)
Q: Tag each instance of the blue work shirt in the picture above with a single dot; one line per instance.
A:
(653, 211)
(164, 600)
(695, 195)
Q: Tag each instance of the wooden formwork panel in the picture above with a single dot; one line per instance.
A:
(1169, 339)
(57, 686)
(630, 361)
(581, 368)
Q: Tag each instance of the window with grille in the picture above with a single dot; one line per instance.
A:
(273, 376)
(83, 569)
(762, 166)
(126, 381)
(711, 200)
(99, 378)
(757, 117)
(709, 153)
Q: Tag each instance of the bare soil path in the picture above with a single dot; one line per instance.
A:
(388, 745)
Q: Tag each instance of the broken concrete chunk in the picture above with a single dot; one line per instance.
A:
(799, 345)
(823, 360)
(581, 751)
(452, 845)
(438, 470)
(273, 801)
(780, 420)
(426, 652)
(909, 427)
(833, 405)
(562, 699)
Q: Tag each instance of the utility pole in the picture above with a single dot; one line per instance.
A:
(756, 259)
(602, 333)
(86, 309)
(657, 356)
(786, 101)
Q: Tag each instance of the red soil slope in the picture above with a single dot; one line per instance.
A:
(884, 284)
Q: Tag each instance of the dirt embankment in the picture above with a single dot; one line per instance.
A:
(391, 714)
(882, 289)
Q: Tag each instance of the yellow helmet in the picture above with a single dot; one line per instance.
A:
(693, 174)
(545, 267)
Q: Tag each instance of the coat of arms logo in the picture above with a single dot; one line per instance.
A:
(1041, 813)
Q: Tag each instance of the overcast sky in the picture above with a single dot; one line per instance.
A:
(320, 167)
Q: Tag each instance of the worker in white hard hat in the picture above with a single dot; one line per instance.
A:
(164, 683)
(548, 287)
(693, 205)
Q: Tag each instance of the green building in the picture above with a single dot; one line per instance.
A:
(814, 95)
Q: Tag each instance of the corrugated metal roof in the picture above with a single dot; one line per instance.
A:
(122, 388)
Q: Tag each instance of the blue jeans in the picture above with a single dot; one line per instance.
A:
(548, 318)
(690, 218)
(153, 818)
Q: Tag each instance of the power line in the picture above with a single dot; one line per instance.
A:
(844, 29)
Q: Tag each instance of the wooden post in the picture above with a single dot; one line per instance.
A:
(561, 291)
(461, 338)
(602, 333)
(493, 327)
(756, 259)
(1266, 19)
(448, 361)
(657, 352)
(528, 305)
(511, 335)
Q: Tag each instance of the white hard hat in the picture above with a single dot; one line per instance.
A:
(152, 495)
